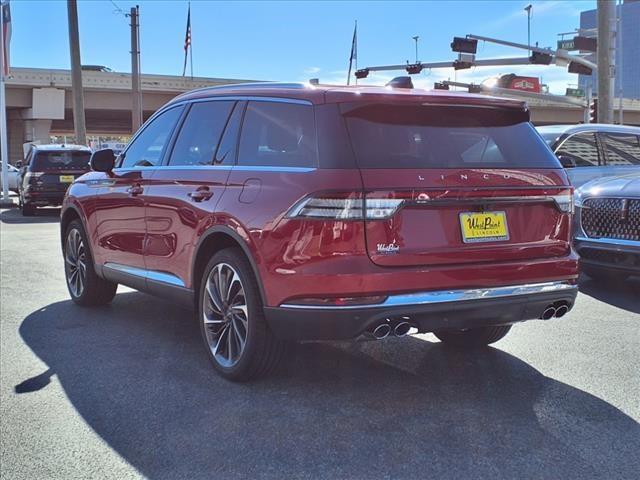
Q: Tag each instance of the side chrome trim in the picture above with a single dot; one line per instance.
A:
(161, 277)
(444, 296)
(608, 241)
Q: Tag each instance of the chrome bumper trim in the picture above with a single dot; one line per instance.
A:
(608, 241)
(444, 296)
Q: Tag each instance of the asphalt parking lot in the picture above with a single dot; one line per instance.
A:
(126, 391)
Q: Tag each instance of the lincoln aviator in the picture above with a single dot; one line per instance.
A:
(285, 212)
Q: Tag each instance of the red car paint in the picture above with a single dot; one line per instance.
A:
(147, 217)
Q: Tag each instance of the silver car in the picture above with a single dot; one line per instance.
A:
(590, 151)
(607, 227)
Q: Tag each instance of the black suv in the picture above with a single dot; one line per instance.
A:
(47, 172)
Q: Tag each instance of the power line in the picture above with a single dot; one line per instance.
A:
(118, 10)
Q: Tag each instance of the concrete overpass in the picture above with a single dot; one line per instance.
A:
(39, 103)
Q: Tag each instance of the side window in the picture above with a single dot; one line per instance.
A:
(200, 134)
(582, 147)
(279, 135)
(621, 148)
(147, 149)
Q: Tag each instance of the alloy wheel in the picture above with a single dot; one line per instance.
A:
(76, 262)
(225, 314)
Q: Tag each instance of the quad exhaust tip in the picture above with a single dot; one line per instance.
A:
(555, 311)
(402, 329)
(381, 331)
(548, 313)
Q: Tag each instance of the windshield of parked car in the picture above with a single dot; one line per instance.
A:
(62, 160)
(422, 136)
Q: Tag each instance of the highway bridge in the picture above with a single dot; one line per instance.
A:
(39, 103)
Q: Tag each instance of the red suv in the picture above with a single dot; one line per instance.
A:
(291, 211)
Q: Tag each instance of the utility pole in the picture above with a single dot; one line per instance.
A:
(79, 124)
(136, 97)
(606, 59)
(415, 39)
(528, 9)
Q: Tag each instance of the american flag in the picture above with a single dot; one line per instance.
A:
(6, 34)
(187, 40)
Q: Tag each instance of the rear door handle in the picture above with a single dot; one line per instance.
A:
(135, 190)
(202, 193)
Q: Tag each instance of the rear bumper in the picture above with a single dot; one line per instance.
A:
(43, 199)
(605, 253)
(427, 311)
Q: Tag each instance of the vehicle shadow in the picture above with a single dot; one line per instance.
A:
(623, 294)
(402, 408)
(42, 215)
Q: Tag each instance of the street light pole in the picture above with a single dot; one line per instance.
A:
(528, 9)
(416, 38)
(76, 74)
(606, 59)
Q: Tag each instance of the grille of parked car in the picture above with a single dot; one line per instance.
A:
(617, 218)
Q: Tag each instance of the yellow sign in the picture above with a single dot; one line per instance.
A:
(67, 178)
(484, 226)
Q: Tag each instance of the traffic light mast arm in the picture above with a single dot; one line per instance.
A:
(489, 62)
(520, 93)
(556, 53)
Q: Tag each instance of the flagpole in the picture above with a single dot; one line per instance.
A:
(3, 115)
(190, 43)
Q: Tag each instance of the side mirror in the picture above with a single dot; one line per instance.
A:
(566, 161)
(102, 160)
(18, 164)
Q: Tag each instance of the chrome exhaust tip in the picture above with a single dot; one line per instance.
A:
(402, 329)
(548, 313)
(381, 331)
(561, 311)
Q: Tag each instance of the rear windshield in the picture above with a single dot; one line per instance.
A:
(421, 136)
(62, 160)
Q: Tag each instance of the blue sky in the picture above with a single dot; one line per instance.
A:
(290, 40)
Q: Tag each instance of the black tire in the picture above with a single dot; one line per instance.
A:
(262, 351)
(473, 337)
(95, 291)
(26, 209)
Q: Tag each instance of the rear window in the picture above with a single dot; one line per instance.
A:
(421, 136)
(62, 160)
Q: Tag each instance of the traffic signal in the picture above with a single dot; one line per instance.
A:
(579, 68)
(362, 73)
(440, 86)
(414, 68)
(464, 45)
(538, 58)
(593, 111)
(460, 65)
(473, 88)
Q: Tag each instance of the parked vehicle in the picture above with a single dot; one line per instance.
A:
(590, 151)
(288, 212)
(608, 227)
(47, 172)
(12, 177)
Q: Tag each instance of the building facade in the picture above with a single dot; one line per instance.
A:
(629, 30)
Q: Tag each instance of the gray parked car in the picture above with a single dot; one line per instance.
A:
(607, 227)
(590, 151)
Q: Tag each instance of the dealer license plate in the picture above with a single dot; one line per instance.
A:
(484, 226)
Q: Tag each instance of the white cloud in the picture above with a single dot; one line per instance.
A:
(312, 70)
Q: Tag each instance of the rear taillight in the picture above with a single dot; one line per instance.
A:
(564, 202)
(345, 206)
(29, 176)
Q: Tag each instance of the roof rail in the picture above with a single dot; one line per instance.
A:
(248, 86)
